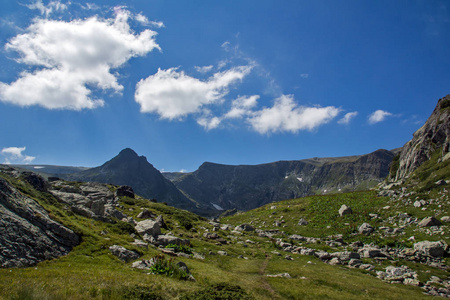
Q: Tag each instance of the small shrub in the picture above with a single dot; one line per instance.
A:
(180, 248)
(129, 201)
(161, 266)
(130, 292)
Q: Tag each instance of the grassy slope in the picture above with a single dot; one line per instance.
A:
(90, 271)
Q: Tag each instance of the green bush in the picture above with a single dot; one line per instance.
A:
(180, 248)
(161, 266)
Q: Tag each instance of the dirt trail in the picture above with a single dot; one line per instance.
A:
(264, 284)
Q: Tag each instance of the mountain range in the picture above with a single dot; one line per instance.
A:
(217, 187)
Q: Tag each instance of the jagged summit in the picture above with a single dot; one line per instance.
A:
(128, 168)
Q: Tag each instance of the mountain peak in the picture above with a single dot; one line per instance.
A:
(128, 152)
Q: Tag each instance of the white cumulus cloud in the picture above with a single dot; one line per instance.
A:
(15, 155)
(71, 58)
(348, 117)
(286, 115)
(378, 116)
(172, 94)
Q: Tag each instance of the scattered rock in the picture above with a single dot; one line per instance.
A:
(302, 222)
(123, 254)
(282, 275)
(445, 219)
(365, 228)
(210, 235)
(223, 253)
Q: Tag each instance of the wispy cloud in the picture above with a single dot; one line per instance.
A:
(378, 116)
(304, 75)
(348, 117)
(286, 115)
(15, 155)
(204, 69)
(51, 7)
(172, 94)
(70, 58)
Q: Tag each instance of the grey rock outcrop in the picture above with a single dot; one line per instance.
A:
(431, 249)
(123, 253)
(27, 234)
(434, 134)
(91, 200)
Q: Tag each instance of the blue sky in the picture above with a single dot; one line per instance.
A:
(233, 82)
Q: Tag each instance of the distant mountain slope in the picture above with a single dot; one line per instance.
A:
(51, 170)
(128, 168)
(433, 136)
(246, 187)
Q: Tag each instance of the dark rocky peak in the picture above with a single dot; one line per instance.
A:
(432, 136)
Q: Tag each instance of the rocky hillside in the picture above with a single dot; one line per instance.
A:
(28, 233)
(127, 168)
(432, 137)
(246, 187)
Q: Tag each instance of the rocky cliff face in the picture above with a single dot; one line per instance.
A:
(128, 168)
(27, 234)
(247, 187)
(433, 135)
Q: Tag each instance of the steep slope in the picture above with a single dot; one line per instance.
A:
(433, 136)
(246, 187)
(128, 168)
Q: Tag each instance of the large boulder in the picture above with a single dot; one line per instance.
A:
(345, 210)
(123, 253)
(149, 227)
(124, 191)
(244, 227)
(430, 221)
(433, 249)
